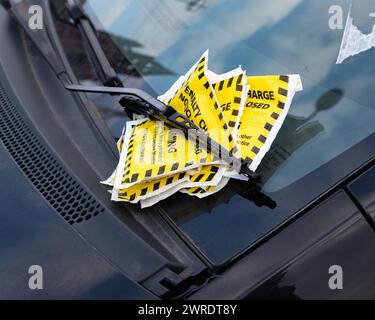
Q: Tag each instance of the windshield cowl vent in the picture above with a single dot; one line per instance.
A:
(67, 196)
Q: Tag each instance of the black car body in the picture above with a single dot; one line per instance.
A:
(57, 145)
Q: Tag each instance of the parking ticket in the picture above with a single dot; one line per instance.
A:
(149, 189)
(202, 192)
(231, 91)
(150, 201)
(206, 176)
(241, 113)
(196, 99)
(111, 180)
(153, 150)
(268, 102)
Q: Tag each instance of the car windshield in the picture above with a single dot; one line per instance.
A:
(334, 112)
(162, 39)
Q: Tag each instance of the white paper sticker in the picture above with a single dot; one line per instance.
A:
(354, 41)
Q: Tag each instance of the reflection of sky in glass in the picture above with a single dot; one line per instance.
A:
(278, 37)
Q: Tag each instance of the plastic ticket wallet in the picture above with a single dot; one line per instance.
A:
(144, 190)
(111, 180)
(202, 192)
(196, 99)
(152, 150)
(207, 177)
(159, 189)
(231, 91)
(268, 102)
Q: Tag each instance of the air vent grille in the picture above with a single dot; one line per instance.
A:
(56, 185)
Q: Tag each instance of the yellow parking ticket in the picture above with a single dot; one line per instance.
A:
(196, 99)
(206, 176)
(202, 192)
(144, 190)
(150, 201)
(231, 91)
(111, 180)
(153, 150)
(268, 102)
(150, 192)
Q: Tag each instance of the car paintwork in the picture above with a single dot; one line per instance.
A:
(295, 263)
(363, 189)
(31, 233)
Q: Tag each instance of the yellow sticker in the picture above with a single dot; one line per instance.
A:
(120, 143)
(197, 100)
(150, 201)
(111, 180)
(267, 104)
(231, 91)
(207, 176)
(202, 192)
(148, 189)
(153, 150)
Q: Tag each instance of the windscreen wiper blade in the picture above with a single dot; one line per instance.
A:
(103, 68)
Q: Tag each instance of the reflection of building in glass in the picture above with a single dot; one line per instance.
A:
(144, 64)
(122, 53)
(296, 132)
(194, 5)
